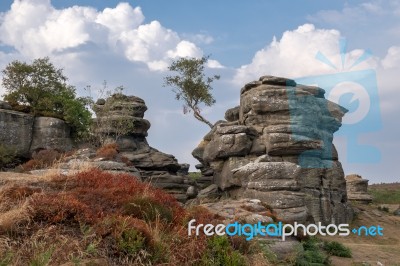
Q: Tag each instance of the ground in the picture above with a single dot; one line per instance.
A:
(370, 250)
(378, 250)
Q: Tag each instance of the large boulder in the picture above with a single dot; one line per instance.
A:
(16, 130)
(51, 133)
(276, 146)
(120, 119)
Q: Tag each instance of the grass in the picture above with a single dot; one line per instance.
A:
(385, 193)
(194, 175)
(94, 215)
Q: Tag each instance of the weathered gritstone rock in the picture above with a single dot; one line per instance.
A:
(357, 189)
(276, 146)
(160, 169)
(51, 133)
(25, 133)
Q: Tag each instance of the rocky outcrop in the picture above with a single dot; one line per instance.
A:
(357, 189)
(25, 133)
(277, 147)
(120, 119)
(16, 131)
(50, 133)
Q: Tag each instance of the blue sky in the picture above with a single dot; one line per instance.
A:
(130, 43)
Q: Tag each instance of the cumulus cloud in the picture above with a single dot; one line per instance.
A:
(35, 29)
(293, 55)
(392, 58)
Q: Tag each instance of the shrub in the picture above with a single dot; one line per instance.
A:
(7, 155)
(108, 151)
(42, 159)
(148, 209)
(59, 208)
(90, 214)
(31, 165)
(219, 252)
(312, 254)
(128, 235)
(47, 157)
(337, 249)
(126, 161)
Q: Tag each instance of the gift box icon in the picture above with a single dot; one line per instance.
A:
(357, 91)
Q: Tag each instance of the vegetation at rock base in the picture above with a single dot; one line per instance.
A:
(7, 156)
(191, 85)
(312, 254)
(41, 159)
(97, 217)
(335, 248)
(41, 89)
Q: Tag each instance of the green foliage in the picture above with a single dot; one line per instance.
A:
(268, 253)
(6, 259)
(131, 241)
(312, 254)
(7, 155)
(220, 252)
(41, 89)
(337, 249)
(43, 258)
(191, 85)
(148, 209)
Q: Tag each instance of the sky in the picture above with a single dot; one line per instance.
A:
(131, 43)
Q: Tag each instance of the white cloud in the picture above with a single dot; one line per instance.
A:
(214, 64)
(35, 29)
(392, 58)
(293, 55)
(185, 49)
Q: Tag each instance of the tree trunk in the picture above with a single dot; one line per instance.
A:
(199, 117)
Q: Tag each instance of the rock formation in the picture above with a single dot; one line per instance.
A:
(120, 119)
(26, 133)
(277, 147)
(357, 189)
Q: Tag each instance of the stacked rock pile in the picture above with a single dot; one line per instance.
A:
(277, 147)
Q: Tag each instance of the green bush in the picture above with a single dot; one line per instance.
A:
(131, 241)
(7, 155)
(220, 252)
(337, 249)
(42, 90)
(312, 254)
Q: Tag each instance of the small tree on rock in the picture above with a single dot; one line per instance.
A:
(191, 85)
(42, 90)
